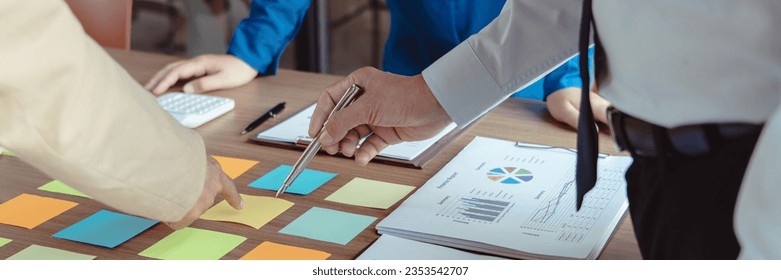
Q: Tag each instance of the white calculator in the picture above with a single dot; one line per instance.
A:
(192, 110)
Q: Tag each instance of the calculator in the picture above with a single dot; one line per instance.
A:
(192, 110)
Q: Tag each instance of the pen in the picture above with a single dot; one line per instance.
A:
(349, 96)
(270, 114)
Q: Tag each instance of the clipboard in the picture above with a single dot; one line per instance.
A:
(535, 146)
(292, 133)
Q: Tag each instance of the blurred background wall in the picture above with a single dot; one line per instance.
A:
(354, 31)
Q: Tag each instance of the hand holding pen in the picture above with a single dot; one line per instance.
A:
(352, 93)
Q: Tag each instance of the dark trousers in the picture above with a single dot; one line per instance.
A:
(682, 207)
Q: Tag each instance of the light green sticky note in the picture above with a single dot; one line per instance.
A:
(4, 152)
(4, 241)
(59, 187)
(257, 211)
(193, 244)
(37, 252)
(370, 193)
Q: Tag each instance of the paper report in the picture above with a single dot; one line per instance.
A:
(516, 201)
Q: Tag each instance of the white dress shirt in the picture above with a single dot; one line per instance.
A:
(670, 62)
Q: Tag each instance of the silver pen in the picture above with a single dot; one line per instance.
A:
(311, 150)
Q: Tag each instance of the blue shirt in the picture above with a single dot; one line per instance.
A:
(421, 32)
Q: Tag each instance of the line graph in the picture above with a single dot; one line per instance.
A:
(556, 213)
(544, 213)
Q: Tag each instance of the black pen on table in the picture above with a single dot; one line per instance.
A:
(270, 114)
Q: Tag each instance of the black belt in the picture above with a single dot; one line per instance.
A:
(645, 139)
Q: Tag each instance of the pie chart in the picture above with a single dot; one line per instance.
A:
(509, 175)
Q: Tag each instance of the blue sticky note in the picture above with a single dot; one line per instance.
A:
(328, 225)
(106, 228)
(308, 181)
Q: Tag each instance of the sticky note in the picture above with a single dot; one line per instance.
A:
(370, 193)
(308, 181)
(59, 187)
(37, 252)
(4, 152)
(274, 251)
(328, 225)
(105, 228)
(193, 244)
(29, 211)
(234, 167)
(4, 241)
(257, 211)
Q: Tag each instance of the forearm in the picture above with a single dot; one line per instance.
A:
(261, 38)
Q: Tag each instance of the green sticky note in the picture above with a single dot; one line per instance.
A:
(4, 152)
(370, 193)
(328, 225)
(193, 244)
(37, 252)
(4, 241)
(59, 187)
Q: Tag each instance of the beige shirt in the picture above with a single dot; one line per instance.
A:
(671, 63)
(69, 110)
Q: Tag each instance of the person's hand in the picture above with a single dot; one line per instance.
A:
(216, 183)
(564, 106)
(221, 71)
(392, 109)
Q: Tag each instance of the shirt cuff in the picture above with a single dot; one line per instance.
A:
(462, 85)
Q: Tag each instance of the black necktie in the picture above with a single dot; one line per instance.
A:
(586, 168)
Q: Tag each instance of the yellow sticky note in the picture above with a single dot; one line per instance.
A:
(273, 251)
(234, 167)
(29, 211)
(370, 193)
(257, 211)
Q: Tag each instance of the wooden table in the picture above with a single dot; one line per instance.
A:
(513, 120)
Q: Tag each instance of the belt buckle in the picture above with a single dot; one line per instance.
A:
(612, 123)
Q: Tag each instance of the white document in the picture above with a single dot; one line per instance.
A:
(389, 247)
(297, 127)
(519, 202)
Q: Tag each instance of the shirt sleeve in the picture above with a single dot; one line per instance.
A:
(260, 39)
(567, 75)
(757, 226)
(73, 113)
(526, 41)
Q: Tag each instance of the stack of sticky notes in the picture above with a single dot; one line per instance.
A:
(111, 229)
